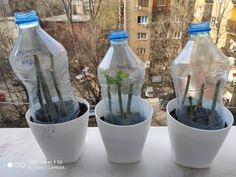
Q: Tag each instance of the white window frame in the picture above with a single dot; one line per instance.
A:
(163, 3)
(143, 20)
(198, 12)
(219, 1)
(147, 64)
(141, 34)
(214, 21)
(177, 19)
(141, 51)
(177, 35)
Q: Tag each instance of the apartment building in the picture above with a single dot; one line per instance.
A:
(137, 19)
(230, 45)
(218, 12)
(137, 16)
(231, 32)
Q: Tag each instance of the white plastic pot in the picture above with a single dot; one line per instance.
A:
(192, 147)
(62, 141)
(124, 144)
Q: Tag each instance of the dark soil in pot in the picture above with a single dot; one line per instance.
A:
(61, 118)
(126, 119)
(201, 119)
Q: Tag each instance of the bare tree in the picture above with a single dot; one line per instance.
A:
(25, 5)
(221, 11)
(168, 37)
(218, 13)
(12, 110)
(88, 47)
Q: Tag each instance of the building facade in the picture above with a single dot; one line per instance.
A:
(137, 20)
(231, 32)
(218, 12)
(138, 17)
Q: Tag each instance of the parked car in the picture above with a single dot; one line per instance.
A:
(2, 97)
(163, 103)
(91, 111)
(149, 92)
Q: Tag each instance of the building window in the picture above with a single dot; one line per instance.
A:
(198, 12)
(215, 22)
(177, 19)
(142, 36)
(142, 19)
(143, 3)
(74, 9)
(141, 51)
(163, 35)
(147, 64)
(86, 5)
(161, 2)
(177, 35)
(232, 46)
(219, 1)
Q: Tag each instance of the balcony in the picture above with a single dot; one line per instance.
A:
(209, 1)
(159, 9)
(21, 156)
(231, 27)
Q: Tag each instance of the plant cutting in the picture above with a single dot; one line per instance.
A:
(123, 117)
(193, 112)
(197, 121)
(57, 119)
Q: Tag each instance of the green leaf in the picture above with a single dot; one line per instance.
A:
(120, 77)
(109, 79)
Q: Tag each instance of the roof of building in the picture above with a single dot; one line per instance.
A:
(63, 18)
(7, 19)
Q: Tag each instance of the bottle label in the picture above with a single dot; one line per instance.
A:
(24, 52)
(125, 67)
(25, 59)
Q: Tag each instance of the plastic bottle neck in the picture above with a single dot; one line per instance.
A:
(199, 34)
(28, 25)
(119, 42)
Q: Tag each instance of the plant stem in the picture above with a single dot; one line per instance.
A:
(199, 103)
(49, 103)
(52, 71)
(217, 89)
(109, 97)
(39, 94)
(186, 89)
(130, 94)
(233, 104)
(190, 106)
(120, 99)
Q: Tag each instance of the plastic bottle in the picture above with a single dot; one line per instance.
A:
(200, 73)
(121, 76)
(41, 64)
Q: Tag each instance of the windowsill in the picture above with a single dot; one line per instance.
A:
(161, 5)
(142, 39)
(142, 23)
(19, 145)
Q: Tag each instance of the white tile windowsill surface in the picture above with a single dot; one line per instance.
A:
(18, 146)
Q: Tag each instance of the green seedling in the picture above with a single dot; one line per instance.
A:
(117, 80)
(198, 111)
